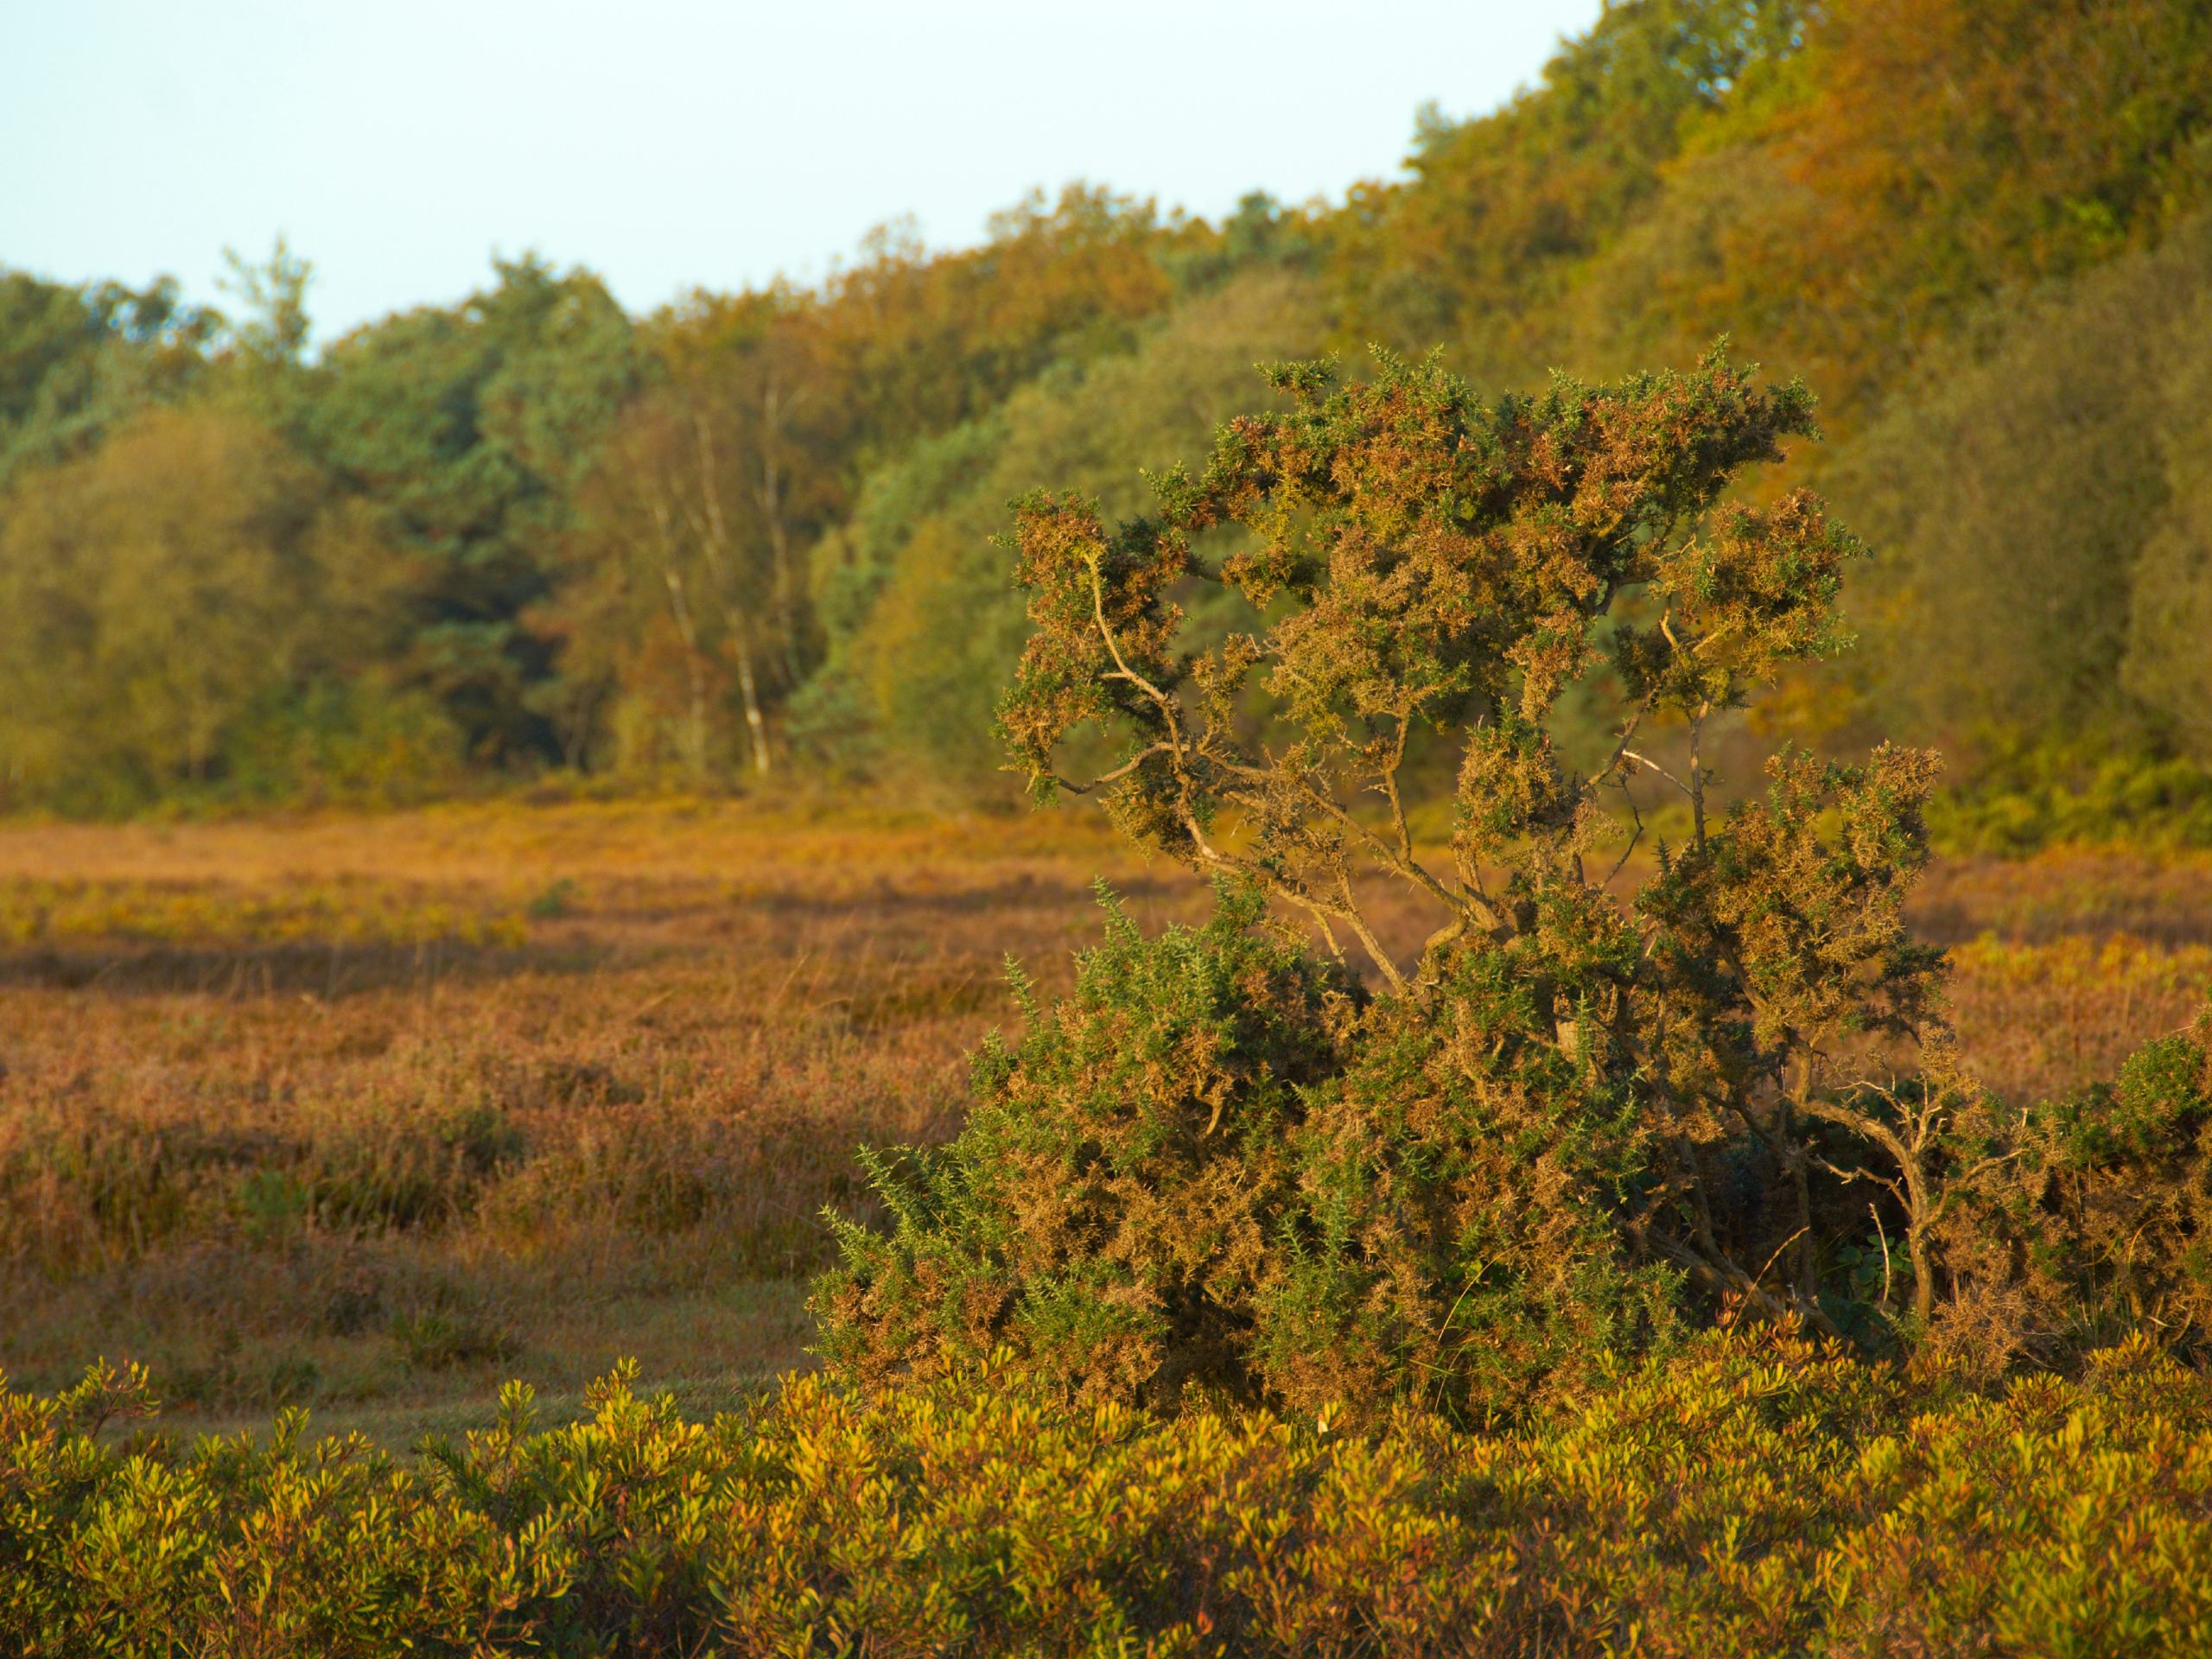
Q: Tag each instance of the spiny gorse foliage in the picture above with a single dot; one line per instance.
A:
(1572, 1124)
(1753, 1497)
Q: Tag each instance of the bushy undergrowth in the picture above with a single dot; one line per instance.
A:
(2099, 1220)
(1753, 1497)
(2031, 797)
(1219, 1165)
(1125, 1173)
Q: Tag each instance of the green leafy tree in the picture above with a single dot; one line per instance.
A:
(922, 615)
(261, 363)
(153, 591)
(673, 595)
(2035, 491)
(1503, 209)
(468, 432)
(76, 362)
(2167, 666)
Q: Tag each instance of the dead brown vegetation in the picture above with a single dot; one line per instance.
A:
(375, 1174)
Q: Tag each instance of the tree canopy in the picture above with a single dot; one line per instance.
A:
(745, 538)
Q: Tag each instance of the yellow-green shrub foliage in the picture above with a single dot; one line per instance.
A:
(1755, 1497)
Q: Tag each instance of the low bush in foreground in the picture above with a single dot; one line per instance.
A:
(1754, 1496)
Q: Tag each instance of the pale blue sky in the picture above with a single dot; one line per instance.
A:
(673, 144)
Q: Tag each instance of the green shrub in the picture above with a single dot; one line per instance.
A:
(1462, 1184)
(2027, 797)
(2098, 1219)
(1115, 1201)
(1753, 1497)
(359, 744)
(1566, 1128)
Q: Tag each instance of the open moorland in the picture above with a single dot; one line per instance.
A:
(369, 1114)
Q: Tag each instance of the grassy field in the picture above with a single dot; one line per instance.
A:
(368, 1114)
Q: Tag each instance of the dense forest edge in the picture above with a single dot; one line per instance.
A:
(746, 543)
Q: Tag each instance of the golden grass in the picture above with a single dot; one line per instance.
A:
(371, 1112)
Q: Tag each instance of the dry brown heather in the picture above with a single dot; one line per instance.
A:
(371, 1112)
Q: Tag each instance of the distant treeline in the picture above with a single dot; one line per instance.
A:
(747, 538)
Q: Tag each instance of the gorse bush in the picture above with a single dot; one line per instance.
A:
(1163, 1187)
(1570, 1125)
(1754, 1496)
(2099, 1221)
(1123, 1176)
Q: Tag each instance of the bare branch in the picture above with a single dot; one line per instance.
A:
(1628, 851)
(1113, 777)
(1105, 631)
(1357, 923)
(1408, 867)
(1628, 735)
(1697, 772)
(1390, 787)
(1650, 765)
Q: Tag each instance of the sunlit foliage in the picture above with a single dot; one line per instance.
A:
(1751, 1498)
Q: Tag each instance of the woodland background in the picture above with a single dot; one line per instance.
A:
(745, 541)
